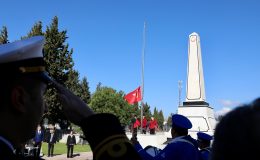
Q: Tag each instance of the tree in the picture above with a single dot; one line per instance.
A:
(160, 119)
(157, 117)
(4, 36)
(59, 64)
(146, 111)
(35, 31)
(169, 121)
(155, 113)
(108, 100)
(84, 90)
(73, 82)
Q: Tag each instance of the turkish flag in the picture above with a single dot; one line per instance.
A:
(134, 96)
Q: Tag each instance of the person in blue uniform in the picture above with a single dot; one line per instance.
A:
(22, 85)
(204, 140)
(181, 147)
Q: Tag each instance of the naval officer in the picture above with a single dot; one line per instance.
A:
(22, 85)
(204, 140)
(181, 147)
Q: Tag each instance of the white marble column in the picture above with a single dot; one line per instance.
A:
(195, 90)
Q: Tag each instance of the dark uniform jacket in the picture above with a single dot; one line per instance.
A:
(205, 153)
(48, 138)
(107, 138)
(180, 148)
(71, 140)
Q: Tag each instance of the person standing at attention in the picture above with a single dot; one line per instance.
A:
(51, 140)
(203, 140)
(71, 141)
(153, 125)
(135, 127)
(37, 141)
(144, 125)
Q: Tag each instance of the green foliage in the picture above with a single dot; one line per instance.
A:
(76, 129)
(57, 56)
(73, 82)
(35, 31)
(146, 111)
(59, 64)
(61, 148)
(155, 112)
(108, 100)
(4, 36)
(160, 119)
(84, 91)
(169, 121)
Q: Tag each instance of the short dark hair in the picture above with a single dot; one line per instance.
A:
(180, 131)
(237, 134)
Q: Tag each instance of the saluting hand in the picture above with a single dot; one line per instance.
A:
(74, 108)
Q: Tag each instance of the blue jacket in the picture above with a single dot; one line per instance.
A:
(38, 136)
(205, 152)
(180, 148)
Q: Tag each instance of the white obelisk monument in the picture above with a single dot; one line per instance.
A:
(195, 106)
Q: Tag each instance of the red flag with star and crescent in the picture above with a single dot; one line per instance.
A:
(134, 96)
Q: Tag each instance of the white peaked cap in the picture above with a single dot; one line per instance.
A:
(22, 50)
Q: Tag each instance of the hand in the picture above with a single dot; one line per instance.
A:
(134, 140)
(74, 108)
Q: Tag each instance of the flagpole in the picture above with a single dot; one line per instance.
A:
(143, 54)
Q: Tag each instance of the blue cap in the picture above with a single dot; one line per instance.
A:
(204, 136)
(181, 121)
(24, 57)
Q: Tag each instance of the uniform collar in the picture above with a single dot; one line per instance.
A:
(7, 143)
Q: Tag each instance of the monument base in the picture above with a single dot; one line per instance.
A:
(201, 116)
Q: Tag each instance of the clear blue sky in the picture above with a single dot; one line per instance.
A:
(106, 36)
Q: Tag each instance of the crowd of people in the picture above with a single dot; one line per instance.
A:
(32, 148)
(23, 83)
(150, 125)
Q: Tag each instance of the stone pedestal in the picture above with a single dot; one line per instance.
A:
(201, 116)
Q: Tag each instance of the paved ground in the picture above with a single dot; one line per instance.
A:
(77, 156)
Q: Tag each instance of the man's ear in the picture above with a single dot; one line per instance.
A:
(18, 97)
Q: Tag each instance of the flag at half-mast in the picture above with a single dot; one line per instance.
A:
(134, 96)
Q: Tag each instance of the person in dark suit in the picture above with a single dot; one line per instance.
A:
(37, 140)
(51, 139)
(71, 141)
